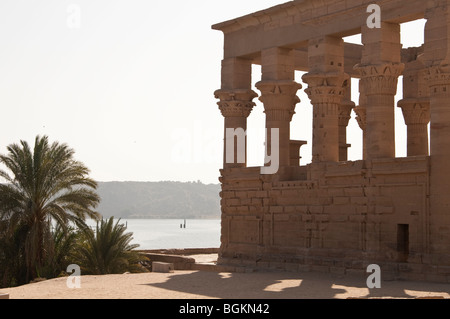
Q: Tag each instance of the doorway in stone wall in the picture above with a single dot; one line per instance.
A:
(403, 242)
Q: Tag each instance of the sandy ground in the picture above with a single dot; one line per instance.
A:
(209, 285)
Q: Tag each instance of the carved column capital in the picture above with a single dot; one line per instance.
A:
(279, 98)
(326, 88)
(415, 111)
(345, 112)
(361, 116)
(235, 103)
(381, 79)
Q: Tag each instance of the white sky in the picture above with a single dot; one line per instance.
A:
(131, 90)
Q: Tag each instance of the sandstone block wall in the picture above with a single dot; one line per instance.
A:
(340, 217)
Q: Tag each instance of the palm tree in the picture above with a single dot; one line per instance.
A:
(64, 245)
(44, 187)
(12, 266)
(108, 250)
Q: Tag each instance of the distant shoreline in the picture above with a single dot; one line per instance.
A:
(169, 233)
(159, 200)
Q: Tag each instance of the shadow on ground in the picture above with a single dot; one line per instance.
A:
(283, 285)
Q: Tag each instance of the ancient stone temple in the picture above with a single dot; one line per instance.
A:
(336, 215)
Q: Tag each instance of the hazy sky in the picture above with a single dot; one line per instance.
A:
(130, 85)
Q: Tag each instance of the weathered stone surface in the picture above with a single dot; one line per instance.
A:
(162, 267)
(334, 215)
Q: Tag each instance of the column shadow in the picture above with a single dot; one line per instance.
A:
(259, 285)
(285, 285)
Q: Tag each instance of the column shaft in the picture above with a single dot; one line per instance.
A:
(279, 96)
(326, 88)
(417, 140)
(295, 152)
(439, 80)
(415, 104)
(345, 111)
(380, 68)
(380, 126)
(326, 130)
(437, 76)
(361, 112)
(236, 107)
(417, 116)
(236, 104)
(343, 145)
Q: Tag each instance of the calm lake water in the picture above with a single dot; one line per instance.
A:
(167, 234)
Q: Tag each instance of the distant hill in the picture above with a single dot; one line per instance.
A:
(164, 200)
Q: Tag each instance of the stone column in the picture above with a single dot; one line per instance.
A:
(380, 68)
(417, 116)
(415, 104)
(326, 82)
(361, 117)
(236, 104)
(439, 80)
(279, 96)
(345, 111)
(295, 152)
(437, 75)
